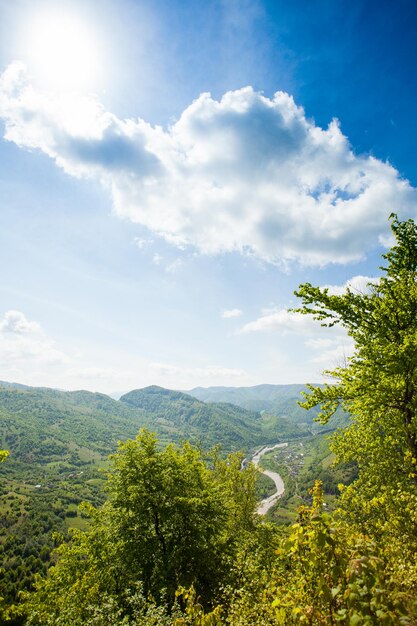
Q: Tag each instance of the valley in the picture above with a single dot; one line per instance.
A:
(267, 503)
(60, 442)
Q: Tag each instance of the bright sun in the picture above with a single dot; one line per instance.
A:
(62, 51)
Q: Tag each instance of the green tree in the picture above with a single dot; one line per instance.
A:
(171, 519)
(378, 387)
(323, 574)
(3, 455)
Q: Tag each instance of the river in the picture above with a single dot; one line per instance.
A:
(269, 502)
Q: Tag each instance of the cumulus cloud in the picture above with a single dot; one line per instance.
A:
(28, 355)
(174, 266)
(157, 259)
(142, 243)
(335, 354)
(285, 321)
(357, 284)
(246, 173)
(23, 342)
(329, 347)
(282, 321)
(15, 323)
(230, 313)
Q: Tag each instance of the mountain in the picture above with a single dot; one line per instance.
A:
(278, 399)
(58, 443)
(175, 412)
(60, 440)
(48, 425)
(277, 403)
(45, 426)
(4, 383)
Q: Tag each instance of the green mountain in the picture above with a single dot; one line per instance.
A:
(59, 441)
(40, 424)
(278, 399)
(178, 414)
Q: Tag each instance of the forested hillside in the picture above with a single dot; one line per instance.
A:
(279, 399)
(176, 415)
(282, 400)
(59, 441)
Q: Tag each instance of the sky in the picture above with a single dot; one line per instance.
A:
(172, 170)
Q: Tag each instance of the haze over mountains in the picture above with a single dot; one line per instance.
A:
(279, 399)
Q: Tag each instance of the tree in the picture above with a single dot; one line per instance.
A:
(3, 455)
(171, 520)
(323, 574)
(378, 387)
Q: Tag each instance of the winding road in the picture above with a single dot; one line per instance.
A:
(269, 502)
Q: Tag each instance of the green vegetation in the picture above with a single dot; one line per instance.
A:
(177, 541)
(264, 486)
(59, 441)
(301, 464)
(3, 455)
(282, 417)
(176, 415)
(168, 521)
(275, 400)
(378, 387)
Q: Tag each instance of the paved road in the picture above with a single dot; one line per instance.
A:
(269, 502)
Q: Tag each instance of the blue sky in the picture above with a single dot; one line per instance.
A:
(171, 171)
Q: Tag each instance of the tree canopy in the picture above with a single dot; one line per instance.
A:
(378, 387)
(171, 519)
(3, 455)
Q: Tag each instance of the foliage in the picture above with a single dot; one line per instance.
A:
(169, 521)
(194, 614)
(28, 521)
(58, 442)
(378, 387)
(3, 455)
(323, 574)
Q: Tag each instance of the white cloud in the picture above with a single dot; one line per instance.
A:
(335, 354)
(330, 346)
(29, 356)
(230, 313)
(174, 266)
(23, 343)
(142, 243)
(319, 343)
(357, 284)
(157, 259)
(282, 321)
(15, 323)
(285, 321)
(247, 173)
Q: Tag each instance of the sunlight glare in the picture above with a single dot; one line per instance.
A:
(62, 51)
